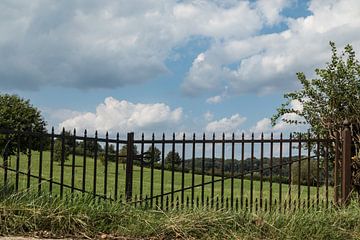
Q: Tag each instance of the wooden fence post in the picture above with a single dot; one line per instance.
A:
(346, 164)
(129, 166)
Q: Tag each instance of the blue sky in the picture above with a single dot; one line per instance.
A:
(167, 66)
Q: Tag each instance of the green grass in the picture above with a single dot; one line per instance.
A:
(146, 181)
(26, 214)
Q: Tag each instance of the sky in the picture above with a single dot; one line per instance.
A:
(167, 65)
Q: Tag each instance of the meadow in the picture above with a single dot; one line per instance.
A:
(157, 174)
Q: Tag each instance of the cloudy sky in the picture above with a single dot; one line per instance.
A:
(167, 65)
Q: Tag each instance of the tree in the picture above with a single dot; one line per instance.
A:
(173, 157)
(155, 154)
(90, 148)
(328, 99)
(68, 146)
(18, 114)
(304, 173)
(123, 153)
(58, 151)
(111, 149)
(110, 156)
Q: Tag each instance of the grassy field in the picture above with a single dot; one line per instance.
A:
(45, 217)
(89, 180)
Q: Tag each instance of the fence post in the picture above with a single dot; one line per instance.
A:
(346, 164)
(129, 166)
(337, 194)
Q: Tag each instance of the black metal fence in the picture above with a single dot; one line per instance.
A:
(252, 172)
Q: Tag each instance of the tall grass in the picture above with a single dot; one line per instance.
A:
(29, 214)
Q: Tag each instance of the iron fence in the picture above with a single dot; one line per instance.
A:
(252, 172)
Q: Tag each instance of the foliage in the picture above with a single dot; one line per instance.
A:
(18, 114)
(90, 148)
(123, 153)
(110, 156)
(328, 99)
(155, 154)
(58, 149)
(173, 157)
(304, 173)
(68, 146)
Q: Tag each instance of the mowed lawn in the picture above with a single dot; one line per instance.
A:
(100, 177)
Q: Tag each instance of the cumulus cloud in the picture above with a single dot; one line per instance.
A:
(226, 125)
(123, 116)
(214, 100)
(53, 116)
(268, 62)
(88, 44)
(264, 125)
(271, 9)
(91, 44)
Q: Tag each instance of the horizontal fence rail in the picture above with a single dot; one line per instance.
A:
(260, 172)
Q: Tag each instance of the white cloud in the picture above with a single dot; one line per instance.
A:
(88, 44)
(214, 100)
(53, 116)
(270, 10)
(264, 125)
(268, 62)
(60, 114)
(91, 44)
(123, 116)
(226, 125)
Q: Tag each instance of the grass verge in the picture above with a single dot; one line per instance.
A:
(27, 214)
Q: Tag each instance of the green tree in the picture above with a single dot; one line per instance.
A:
(304, 174)
(111, 149)
(68, 146)
(328, 99)
(155, 154)
(18, 114)
(173, 157)
(123, 153)
(58, 149)
(90, 148)
(111, 154)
